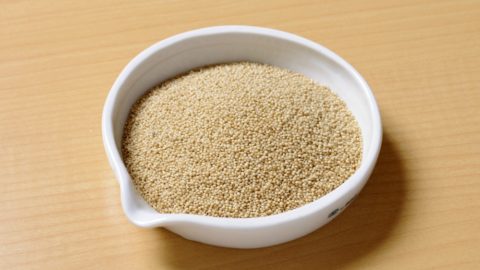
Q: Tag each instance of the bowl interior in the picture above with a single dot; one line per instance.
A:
(185, 52)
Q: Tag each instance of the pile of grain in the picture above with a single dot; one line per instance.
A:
(239, 140)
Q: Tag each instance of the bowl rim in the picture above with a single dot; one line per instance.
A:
(113, 153)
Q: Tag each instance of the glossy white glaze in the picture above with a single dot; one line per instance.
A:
(212, 45)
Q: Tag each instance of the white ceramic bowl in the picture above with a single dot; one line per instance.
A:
(221, 44)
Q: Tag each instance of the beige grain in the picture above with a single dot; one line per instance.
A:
(239, 140)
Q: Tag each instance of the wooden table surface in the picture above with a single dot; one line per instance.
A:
(59, 203)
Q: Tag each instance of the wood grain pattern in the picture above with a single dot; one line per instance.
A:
(59, 203)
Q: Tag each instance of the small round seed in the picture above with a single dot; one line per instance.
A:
(239, 140)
